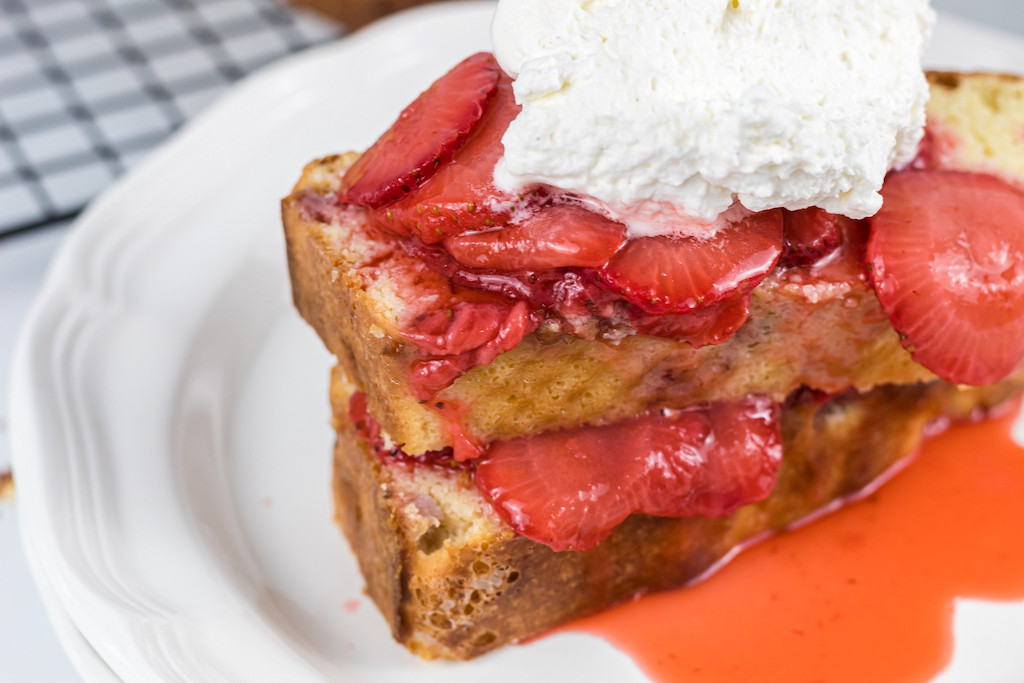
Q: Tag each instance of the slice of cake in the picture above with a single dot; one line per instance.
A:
(538, 417)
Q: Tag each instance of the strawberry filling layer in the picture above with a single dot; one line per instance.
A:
(943, 254)
(569, 489)
(369, 431)
(464, 336)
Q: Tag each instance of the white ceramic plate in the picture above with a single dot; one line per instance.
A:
(169, 415)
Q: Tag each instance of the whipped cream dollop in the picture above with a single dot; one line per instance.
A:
(663, 109)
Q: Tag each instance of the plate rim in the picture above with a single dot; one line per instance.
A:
(63, 284)
(58, 285)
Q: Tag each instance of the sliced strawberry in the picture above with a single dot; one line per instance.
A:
(464, 327)
(569, 489)
(461, 195)
(463, 337)
(946, 255)
(680, 274)
(560, 236)
(425, 136)
(704, 327)
(810, 234)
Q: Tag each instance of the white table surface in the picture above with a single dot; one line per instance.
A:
(29, 648)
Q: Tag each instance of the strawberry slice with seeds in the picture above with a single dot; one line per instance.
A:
(461, 195)
(679, 274)
(569, 489)
(946, 256)
(559, 236)
(425, 136)
(810, 234)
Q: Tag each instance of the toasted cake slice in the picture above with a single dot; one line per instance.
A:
(451, 575)
(807, 325)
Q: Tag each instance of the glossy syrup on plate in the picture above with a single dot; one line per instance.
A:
(863, 594)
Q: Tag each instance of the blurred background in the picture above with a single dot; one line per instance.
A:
(87, 89)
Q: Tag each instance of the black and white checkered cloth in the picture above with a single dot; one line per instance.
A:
(87, 87)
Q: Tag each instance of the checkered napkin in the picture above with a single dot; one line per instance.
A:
(87, 87)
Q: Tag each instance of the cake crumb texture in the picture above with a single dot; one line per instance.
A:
(984, 113)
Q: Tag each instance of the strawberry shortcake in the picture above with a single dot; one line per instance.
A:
(558, 388)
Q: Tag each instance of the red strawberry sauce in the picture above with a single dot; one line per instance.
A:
(863, 594)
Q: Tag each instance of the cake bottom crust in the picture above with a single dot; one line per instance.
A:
(454, 581)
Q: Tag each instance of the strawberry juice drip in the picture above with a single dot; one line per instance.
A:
(863, 594)
(368, 430)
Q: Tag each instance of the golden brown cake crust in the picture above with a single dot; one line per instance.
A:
(454, 581)
(826, 335)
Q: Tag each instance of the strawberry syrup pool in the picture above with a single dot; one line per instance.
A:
(863, 594)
